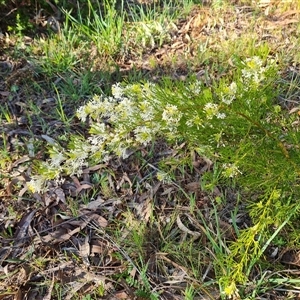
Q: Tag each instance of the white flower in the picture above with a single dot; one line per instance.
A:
(117, 91)
(143, 134)
(189, 123)
(120, 142)
(75, 165)
(78, 155)
(233, 88)
(97, 107)
(250, 75)
(57, 158)
(59, 181)
(146, 110)
(96, 143)
(254, 63)
(196, 87)
(93, 105)
(171, 114)
(194, 121)
(81, 113)
(253, 71)
(106, 108)
(36, 184)
(211, 110)
(98, 129)
(221, 116)
(230, 170)
(96, 140)
(163, 177)
(228, 94)
(124, 111)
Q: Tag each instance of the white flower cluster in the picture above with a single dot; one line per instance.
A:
(129, 118)
(254, 72)
(195, 121)
(228, 93)
(212, 110)
(171, 114)
(163, 177)
(117, 91)
(195, 87)
(230, 170)
(36, 184)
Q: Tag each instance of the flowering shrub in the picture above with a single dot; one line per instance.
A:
(235, 122)
(137, 114)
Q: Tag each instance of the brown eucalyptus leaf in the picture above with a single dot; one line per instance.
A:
(182, 227)
(99, 220)
(23, 225)
(83, 187)
(93, 205)
(85, 249)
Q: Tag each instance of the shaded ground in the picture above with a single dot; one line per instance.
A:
(74, 239)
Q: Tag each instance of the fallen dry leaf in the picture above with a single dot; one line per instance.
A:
(22, 229)
(183, 228)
